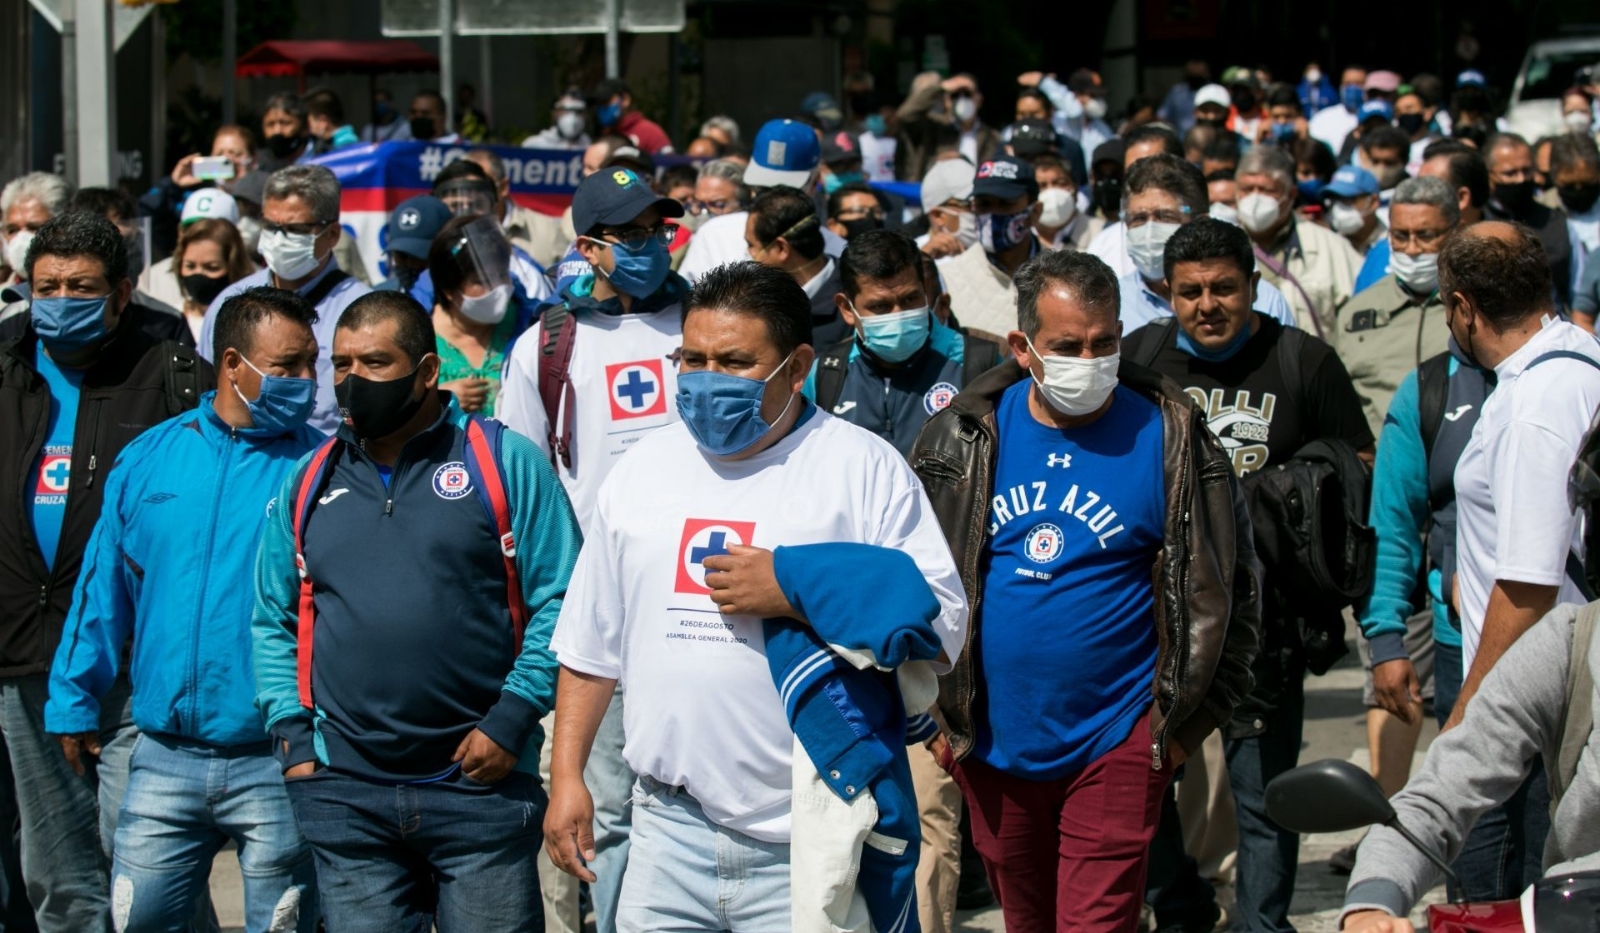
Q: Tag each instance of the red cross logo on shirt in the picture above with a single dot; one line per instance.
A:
(703, 538)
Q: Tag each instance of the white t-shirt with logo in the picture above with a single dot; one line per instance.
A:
(625, 384)
(702, 710)
(1513, 519)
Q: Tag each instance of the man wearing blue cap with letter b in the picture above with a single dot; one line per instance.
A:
(1351, 200)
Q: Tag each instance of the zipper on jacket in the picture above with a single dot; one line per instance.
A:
(1159, 745)
(888, 413)
(94, 446)
(205, 575)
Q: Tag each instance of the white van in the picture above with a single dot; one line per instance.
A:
(1549, 69)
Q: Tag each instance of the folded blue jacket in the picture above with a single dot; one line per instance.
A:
(852, 722)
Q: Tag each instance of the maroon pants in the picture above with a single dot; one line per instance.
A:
(1069, 854)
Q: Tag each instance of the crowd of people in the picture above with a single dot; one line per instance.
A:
(461, 599)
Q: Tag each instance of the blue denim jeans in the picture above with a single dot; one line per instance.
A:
(686, 873)
(64, 861)
(184, 802)
(1268, 854)
(610, 783)
(402, 858)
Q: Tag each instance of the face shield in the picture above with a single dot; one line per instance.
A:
(483, 254)
(467, 197)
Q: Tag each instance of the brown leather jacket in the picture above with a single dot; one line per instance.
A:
(1208, 601)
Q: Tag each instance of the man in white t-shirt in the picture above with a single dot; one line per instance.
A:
(1517, 535)
(669, 596)
(617, 331)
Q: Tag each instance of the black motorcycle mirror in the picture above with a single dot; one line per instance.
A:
(1333, 796)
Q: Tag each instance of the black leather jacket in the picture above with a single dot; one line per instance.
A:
(1208, 602)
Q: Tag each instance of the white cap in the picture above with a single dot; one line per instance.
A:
(210, 204)
(950, 180)
(1213, 94)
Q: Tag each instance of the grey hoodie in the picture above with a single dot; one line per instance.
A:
(1517, 714)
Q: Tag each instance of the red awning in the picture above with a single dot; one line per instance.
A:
(298, 59)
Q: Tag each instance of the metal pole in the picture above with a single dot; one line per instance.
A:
(613, 35)
(447, 72)
(69, 91)
(97, 95)
(230, 61)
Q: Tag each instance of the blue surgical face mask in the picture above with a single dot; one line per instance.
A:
(1352, 96)
(1187, 345)
(283, 404)
(1311, 190)
(1283, 133)
(723, 412)
(637, 272)
(69, 325)
(835, 181)
(609, 114)
(875, 124)
(895, 337)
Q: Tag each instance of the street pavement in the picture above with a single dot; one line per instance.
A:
(1335, 728)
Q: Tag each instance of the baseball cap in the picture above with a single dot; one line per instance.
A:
(1239, 74)
(1005, 178)
(1351, 181)
(632, 157)
(1376, 108)
(1471, 78)
(1213, 94)
(252, 187)
(210, 204)
(414, 224)
(786, 152)
(840, 147)
(950, 180)
(1030, 138)
(614, 196)
(821, 105)
(1385, 81)
(1084, 81)
(1112, 150)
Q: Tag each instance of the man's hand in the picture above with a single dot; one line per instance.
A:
(483, 760)
(1397, 689)
(1030, 78)
(569, 828)
(743, 582)
(1376, 921)
(183, 172)
(471, 394)
(77, 745)
(303, 769)
(925, 80)
(958, 84)
(941, 244)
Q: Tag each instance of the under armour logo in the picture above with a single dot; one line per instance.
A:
(332, 496)
(843, 407)
(1456, 415)
(1065, 460)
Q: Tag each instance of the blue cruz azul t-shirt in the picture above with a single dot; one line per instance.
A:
(48, 506)
(1067, 648)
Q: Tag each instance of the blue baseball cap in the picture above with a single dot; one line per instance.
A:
(1005, 178)
(612, 197)
(786, 152)
(1471, 78)
(414, 224)
(1376, 108)
(1351, 181)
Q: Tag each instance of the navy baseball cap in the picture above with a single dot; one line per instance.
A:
(839, 147)
(1005, 178)
(786, 152)
(1351, 181)
(414, 224)
(1030, 138)
(821, 105)
(1471, 78)
(1376, 108)
(614, 196)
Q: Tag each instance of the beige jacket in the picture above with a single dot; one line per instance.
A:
(981, 296)
(539, 235)
(1324, 265)
(1383, 335)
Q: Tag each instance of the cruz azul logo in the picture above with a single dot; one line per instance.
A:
(939, 397)
(636, 390)
(55, 469)
(451, 481)
(703, 538)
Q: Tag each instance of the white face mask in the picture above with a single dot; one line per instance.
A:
(1345, 219)
(290, 256)
(17, 252)
(1313, 75)
(965, 109)
(1258, 212)
(488, 308)
(1419, 273)
(1057, 207)
(1147, 245)
(967, 231)
(1076, 386)
(569, 124)
(1578, 121)
(1095, 109)
(1226, 213)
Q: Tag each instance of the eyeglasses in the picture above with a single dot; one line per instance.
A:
(637, 237)
(1180, 216)
(717, 208)
(1400, 238)
(310, 229)
(860, 213)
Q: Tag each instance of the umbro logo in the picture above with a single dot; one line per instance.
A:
(1456, 415)
(1064, 460)
(160, 497)
(331, 496)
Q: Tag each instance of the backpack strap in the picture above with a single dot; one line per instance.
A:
(325, 287)
(311, 481)
(1577, 720)
(832, 367)
(978, 356)
(1163, 333)
(1562, 355)
(555, 379)
(183, 377)
(1292, 346)
(1433, 394)
(483, 457)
